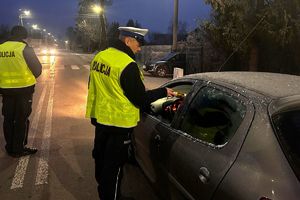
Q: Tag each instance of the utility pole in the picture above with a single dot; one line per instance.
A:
(103, 39)
(175, 25)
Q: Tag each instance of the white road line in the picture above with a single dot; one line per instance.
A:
(86, 67)
(43, 167)
(75, 67)
(19, 176)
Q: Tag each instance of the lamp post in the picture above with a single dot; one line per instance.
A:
(175, 25)
(103, 39)
(45, 37)
(23, 14)
(66, 44)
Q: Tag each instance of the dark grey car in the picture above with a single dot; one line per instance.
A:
(165, 66)
(230, 135)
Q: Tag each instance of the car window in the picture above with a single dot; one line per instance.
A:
(168, 57)
(165, 108)
(213, 116)
(174, 58)
(287, 127)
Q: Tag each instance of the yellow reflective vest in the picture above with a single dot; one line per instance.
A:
(14, 72)
(106, 101)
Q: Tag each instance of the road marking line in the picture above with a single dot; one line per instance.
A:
(75, 67)
(19, 176)
(43, 167)
(86, 67)
(18, 179)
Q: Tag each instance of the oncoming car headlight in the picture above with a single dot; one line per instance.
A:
(45, 51)
(48, 51)
(52, 51)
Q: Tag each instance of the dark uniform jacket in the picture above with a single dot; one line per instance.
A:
(35, 67)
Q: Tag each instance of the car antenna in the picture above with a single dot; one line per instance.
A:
(247, 36)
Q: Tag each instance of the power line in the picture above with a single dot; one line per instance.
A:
(247, 36)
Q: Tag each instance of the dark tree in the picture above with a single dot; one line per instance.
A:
(113, 32)
(4, 33)
(133, 23)
(264, 34)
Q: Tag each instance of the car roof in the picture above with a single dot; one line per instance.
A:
(274, 85)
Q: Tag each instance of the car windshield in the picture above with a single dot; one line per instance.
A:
(168, 56)
(287, 127)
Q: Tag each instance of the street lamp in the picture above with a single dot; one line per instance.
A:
(66, 44)
(175, 25)
(100, 11)
(97, 9)
(35, 27)
(24, 14)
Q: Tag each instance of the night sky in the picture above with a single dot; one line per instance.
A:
(57, 15)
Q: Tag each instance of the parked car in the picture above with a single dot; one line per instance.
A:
(165, 66)
(229, 135)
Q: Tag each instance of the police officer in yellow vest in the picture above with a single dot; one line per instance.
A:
(19, 68)
(116, 95)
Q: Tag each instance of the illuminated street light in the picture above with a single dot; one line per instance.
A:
(35, 27)
(97, 9)
(67, 44)
(27, 12)
(24, 14)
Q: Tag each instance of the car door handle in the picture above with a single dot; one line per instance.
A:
(204, 175)
(157, 139)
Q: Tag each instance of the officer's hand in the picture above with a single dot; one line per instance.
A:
(170, 92)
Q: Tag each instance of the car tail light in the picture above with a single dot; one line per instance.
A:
(264, 198)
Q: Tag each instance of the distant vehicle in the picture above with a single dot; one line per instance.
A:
(48, 51)
(226, 136)
(165, 66)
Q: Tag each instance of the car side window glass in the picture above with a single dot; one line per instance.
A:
(166, 108)
(213, 116)
(287, 127)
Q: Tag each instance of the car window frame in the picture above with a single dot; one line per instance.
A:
(278, 107)
(250, 112)
(193, 82)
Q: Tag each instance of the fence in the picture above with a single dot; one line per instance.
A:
(198, 59)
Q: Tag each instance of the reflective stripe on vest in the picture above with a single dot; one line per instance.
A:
(14, 72)
(106, 100)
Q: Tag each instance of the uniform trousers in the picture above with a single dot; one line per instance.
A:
(16, 110)
(110, 153)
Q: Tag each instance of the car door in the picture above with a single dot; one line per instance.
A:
(206, 141)
(151, 138)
